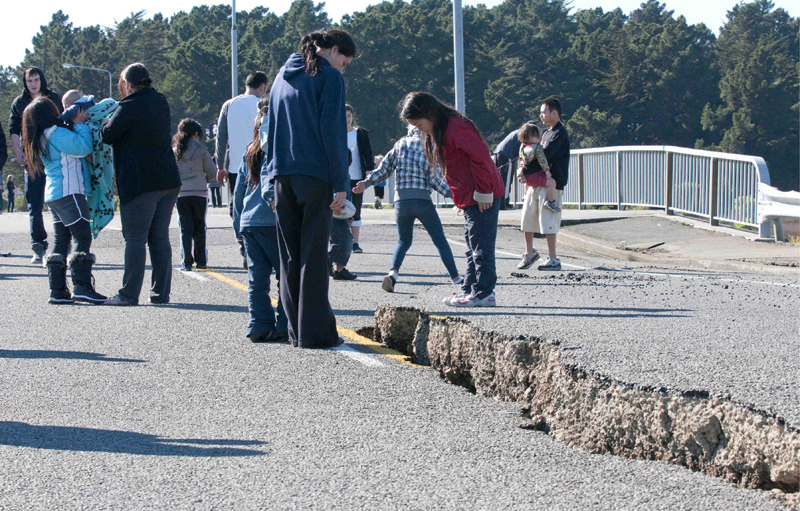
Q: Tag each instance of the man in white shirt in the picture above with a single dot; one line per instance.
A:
(234, 134)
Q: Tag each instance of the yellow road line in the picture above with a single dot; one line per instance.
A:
(344, 332)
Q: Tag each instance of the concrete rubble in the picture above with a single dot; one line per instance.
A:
(710, 434)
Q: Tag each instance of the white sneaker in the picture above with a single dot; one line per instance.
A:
(450, 300)
(472, 301)
(528, 258)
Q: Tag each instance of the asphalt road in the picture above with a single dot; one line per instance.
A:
(171, 407)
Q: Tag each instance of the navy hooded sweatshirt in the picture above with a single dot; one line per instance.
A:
(306, 125)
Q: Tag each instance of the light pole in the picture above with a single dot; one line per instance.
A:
(234, 53)
(110, 78)
(458, 55)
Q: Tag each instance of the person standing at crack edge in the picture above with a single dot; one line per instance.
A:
(305, 146)
(52, 149)
(35, 86)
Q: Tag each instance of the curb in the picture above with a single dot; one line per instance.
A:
(598, 247)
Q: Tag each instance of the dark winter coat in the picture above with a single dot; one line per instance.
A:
(139, 132)
(364, 152)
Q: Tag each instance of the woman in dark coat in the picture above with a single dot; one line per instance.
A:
(148, 182)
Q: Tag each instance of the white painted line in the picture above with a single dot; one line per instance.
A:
(113, 228)
(191, 274)
(365, 359)
(454, 242)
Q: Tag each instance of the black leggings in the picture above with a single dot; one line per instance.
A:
(80, 232)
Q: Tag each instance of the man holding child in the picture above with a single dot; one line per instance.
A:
(539, 214)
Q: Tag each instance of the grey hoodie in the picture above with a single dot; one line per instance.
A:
(197, 170)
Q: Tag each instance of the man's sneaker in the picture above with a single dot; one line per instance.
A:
(38, 253)
(357, 249)
(344, 275)
(388, 283)
(186, 267)
(552, 206)
(474, 301)
(552, 264)
(528, 258)
(378, 204)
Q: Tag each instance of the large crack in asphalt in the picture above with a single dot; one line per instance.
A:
(575, 405)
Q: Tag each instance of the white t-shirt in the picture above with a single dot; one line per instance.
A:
(352, 144)
(241, 119)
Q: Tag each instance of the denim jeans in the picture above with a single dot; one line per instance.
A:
(405, 212)
(263, 256)
(340, 247)
(34, 194)
(480, 234)
(145, 221)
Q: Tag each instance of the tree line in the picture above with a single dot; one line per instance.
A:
(641, 78)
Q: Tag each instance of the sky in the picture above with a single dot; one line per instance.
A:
(20, 22)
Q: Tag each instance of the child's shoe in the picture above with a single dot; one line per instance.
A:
(552, 206)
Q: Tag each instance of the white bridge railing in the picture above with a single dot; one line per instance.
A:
(711, 185)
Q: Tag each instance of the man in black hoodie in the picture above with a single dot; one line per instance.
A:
(35, 85)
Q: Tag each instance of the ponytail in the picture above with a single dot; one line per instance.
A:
(320, 39)
(187, 128)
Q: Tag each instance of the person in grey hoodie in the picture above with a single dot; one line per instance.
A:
(197, 170)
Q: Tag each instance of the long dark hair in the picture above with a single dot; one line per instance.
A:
(187, 128)
(39, 116)
(423, 105)
(325, 39)
(254, 155)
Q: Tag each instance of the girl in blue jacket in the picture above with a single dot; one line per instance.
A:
(254, 218)
(54, 150)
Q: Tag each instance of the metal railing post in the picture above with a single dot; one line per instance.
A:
(668, 183)
(619, 181)
(580, 182)
(712, 204)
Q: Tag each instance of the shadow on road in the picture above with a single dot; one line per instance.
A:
(207, 307)
(73, 355)
(63, 438)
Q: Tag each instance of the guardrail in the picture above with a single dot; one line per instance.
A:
(719, 187)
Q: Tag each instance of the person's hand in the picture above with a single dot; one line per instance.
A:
(483, 206)
(522, 179)
(338, 202)
(222, 176)
(21, 159)
(81, 116)
(360, 187)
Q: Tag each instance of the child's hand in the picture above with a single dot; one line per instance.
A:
(522, 179)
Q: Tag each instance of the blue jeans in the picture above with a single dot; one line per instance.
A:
(34, 194)
(480, 234)
(340, 247)
(263, 256)
(405, 212)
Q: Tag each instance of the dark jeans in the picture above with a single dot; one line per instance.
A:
(480, 233)
(304, 227)
(192, 221)
(231, 187)
(341, 242)
(216, 197)
(405, 212)
(11, 205)
(263, 256)
(145, 220)
(34, 194)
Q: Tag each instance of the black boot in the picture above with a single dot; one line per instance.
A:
(80, 263)
(57, 273)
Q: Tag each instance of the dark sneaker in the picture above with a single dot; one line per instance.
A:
(344, 275)
(185, 267)
(38, 253)
(388, 283)
(201, 266)
(357, 249)
(528, 259)
(552, 264)
(59, 296)
(87, 294)
(552, 206)
(330, 270)
(269, 336)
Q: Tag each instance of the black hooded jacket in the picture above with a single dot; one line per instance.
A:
(23, 100)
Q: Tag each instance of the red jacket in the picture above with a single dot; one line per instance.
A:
(471, 173)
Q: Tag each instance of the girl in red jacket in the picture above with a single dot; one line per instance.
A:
(454, 143)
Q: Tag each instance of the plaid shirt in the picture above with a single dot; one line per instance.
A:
(413, 171)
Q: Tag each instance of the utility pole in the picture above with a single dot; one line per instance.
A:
(458, 54)
(234, 53)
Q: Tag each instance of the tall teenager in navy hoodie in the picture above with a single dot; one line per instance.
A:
(304, 138)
